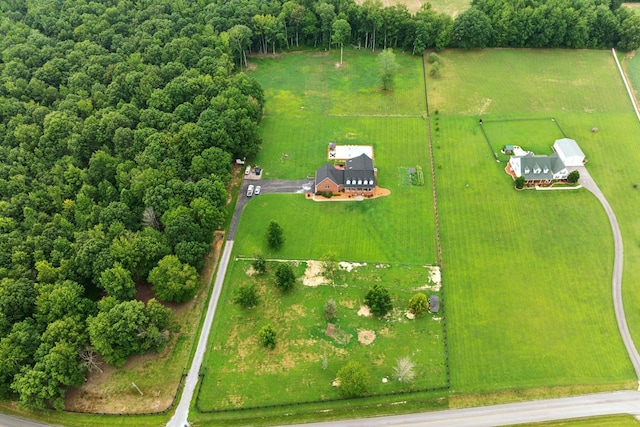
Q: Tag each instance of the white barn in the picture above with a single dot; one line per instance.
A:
(569, 152)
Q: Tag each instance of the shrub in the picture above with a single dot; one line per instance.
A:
(573, 177)
(520, 182)
(259, 264)
(246, 296)
(354, 379)
(378, 300)
(434, 71)
(268, 337)
(404, 370)
(418, 304)
(433, 58)
(330, 310)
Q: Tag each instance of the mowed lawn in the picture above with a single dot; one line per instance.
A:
(311, 102)
(528, 274)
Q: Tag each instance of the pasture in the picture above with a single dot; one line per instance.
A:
(528, 274)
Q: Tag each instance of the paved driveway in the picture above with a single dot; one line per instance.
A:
(266, 186)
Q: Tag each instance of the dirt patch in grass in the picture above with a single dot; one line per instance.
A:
(366, 337)
(337, 334)
(348, 266)
(347, 303)
(364, 311)
(313, 275)
(251, 271)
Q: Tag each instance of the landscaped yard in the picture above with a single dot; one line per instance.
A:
(527, 274)
(241, 373)
(311, 102)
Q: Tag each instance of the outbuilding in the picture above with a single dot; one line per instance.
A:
(569, 152)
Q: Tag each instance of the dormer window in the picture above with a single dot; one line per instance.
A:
(526, 169)
(348, 182)
(359, 182)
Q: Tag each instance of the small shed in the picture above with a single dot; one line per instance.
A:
(434, 304)
(569, 152)
(508, 149)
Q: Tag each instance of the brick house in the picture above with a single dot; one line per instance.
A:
(358, 176)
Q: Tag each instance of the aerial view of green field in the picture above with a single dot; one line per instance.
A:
(527, 274)
(391, 239)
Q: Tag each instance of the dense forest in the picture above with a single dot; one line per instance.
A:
(119, 121)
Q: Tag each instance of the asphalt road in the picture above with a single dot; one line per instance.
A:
(10, 421)
(616, 279)
(590, 405)
(180, 417)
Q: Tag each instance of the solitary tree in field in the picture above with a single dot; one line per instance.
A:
(285, 277)
(354, 379)
(341, 32)
(387, 67)
(573, 177)
(259, 264)
(329, 265)
(246, 296)
(378, 300)
(274, 235)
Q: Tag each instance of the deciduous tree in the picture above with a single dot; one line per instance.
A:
(387, 68)
(174, 281)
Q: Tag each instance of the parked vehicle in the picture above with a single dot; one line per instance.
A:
(257, 190)
(250, 191)
(247, 171)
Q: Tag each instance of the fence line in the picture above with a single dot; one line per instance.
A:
(626, 84)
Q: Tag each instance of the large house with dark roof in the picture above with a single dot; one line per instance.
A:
(357, 176)
(537, 169)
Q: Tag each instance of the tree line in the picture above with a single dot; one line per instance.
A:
(119, 121)
(272, 26)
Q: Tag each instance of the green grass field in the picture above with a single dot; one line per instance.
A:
(528, 274)
(311, 102)
(293, 371)
(609, 421)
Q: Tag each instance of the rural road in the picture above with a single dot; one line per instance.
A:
(180, 417)
(616, 279)
(590, 405)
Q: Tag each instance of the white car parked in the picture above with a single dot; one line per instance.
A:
(250, 191)
(257, 190)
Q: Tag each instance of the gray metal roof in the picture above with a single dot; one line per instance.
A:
(539, 167)
(568, 147)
